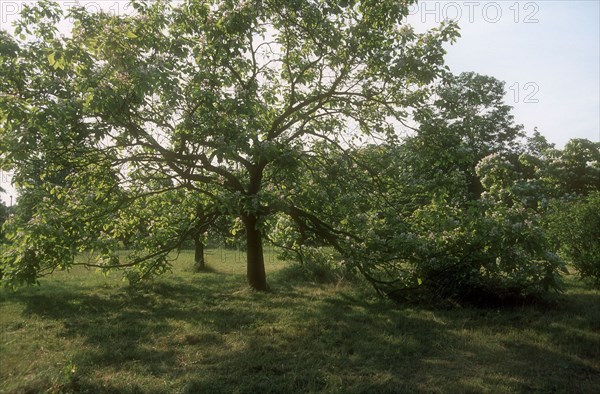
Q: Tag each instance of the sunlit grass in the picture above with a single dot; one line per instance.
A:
(207, 332)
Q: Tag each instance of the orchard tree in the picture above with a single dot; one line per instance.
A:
(451, 212)
(575, 170)
(217, 98)
(476, 195)
(467, 121)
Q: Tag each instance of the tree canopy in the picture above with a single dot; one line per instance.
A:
(281, 121)
(217, 101)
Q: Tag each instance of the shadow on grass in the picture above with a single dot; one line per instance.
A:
(205, 335)
(348, 344)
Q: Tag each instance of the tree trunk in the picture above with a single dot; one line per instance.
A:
(475, 187)
(199, 262)
(255, 267)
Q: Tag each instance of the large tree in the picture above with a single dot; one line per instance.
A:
(218, 98)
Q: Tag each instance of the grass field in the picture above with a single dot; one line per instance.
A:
(207, 333)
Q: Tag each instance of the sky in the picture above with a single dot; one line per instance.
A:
(546, 51)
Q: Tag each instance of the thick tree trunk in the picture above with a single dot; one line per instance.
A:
(199, 262)
(254, 254)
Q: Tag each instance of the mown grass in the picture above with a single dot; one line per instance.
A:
(206, 332)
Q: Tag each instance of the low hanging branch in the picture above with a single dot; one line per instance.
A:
(213, 98)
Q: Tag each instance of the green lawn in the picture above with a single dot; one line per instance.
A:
(206, 332)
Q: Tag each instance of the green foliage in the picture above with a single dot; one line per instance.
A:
(3, 217)
(472, 227)
(577, 167)
(574, 226)
(103, 126)
(317, 264)
(412, 235)
(486, 253)
(273, 119)
(567, 173)
(453, 212)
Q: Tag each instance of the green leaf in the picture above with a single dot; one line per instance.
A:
(51, 59)
(131, 34)
(88, 99)
(60, 63)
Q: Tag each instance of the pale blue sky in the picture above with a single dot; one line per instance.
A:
(547, 52)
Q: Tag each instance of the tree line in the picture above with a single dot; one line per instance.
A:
(279, 121)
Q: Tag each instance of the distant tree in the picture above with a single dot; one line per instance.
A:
(538, 146)
(576, 168)
(574, 226)
(210, 97)
(571, 182)
(467, 122)
(205, 218)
